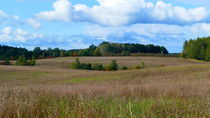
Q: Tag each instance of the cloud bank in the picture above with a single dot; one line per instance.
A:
(125, 12)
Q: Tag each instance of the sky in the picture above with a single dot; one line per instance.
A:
(76, 24)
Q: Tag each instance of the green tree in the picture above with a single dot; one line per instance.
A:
(33, 61)
(125, 53)
(21, 60)
(97, 52)
(76, 64)
(37, 52)
(113, 66)
(85, 66)
(7, 61)
(98, 67)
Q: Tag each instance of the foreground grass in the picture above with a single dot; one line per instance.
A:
(39, 104)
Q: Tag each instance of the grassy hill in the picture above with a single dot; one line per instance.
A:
(167, 87)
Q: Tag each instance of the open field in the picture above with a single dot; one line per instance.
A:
(166, 88)
(123, 61)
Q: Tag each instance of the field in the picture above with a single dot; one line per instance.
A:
(166, 88)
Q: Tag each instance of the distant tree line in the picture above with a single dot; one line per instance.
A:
(197, 49)
(104, 49)
(112, 49)
(7, 52)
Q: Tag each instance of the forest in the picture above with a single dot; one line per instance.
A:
(103, 49)
(197, 49)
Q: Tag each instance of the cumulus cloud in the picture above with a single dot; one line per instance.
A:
(9, 35)
(125, 12)
(171, 36)
(61, 12)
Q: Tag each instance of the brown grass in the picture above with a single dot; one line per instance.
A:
(181, 89)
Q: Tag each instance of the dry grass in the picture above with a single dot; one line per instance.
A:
(181, 89)
(64, 62)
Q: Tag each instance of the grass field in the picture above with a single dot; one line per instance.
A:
(166, 88)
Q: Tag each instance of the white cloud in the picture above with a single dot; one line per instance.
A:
(35, 24)
(171, 36)
(17, 35)
(7, 30)
(201, 29)
(2, 14)
(124, 12)
(61, 12)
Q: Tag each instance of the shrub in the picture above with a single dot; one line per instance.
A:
(125, 53)
(98, 67)
(24, 62)
(85, 66)
(113, 66)
(32, 61)
(21, 60)
(7, 61)
(137, 67)
(124, 68)
(76, 64)
(142, 65)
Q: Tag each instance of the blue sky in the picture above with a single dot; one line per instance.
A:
(69, 24)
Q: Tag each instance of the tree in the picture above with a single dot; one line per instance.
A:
(21, 60)
(7, 61)
(98, 67)
(125, 53)
(37, 52)
(197, 49)
(56, 52)
(97, 52)
(85, 66)
(76, 64)
(113, 66)
(33, 61)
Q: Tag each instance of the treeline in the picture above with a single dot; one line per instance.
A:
(7, 52)
(104, 49)
(118, 49)
(13, 53)
(197, 49)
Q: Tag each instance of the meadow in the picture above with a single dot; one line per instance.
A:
(167, 88)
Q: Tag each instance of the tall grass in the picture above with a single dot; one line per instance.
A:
(26, 102)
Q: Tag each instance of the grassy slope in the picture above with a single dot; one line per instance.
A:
(179, 89)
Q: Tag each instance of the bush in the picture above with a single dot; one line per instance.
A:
(24, 62)
(21, 61)
(124, 68)
(113, 66)
(85, 66)
(76, 64)
(7, 61)
(98, 67)
(32, 61)
(141, 66)
(125, 53)
(137, 67)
